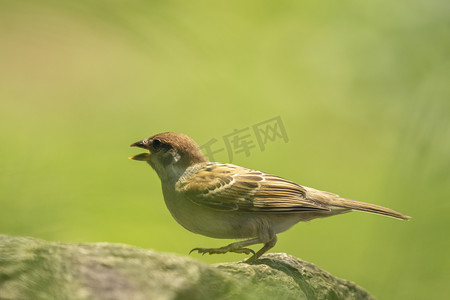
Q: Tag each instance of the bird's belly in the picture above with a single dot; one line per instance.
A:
(226, 224)
(206, 221)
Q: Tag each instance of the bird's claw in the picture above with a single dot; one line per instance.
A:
(222, 250)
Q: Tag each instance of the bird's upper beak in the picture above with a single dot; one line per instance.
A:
(141, 156)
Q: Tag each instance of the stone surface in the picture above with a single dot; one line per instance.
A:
(35, 269)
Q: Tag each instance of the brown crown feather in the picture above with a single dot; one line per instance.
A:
(188, 149)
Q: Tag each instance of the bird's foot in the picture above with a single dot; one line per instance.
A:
(223, 250)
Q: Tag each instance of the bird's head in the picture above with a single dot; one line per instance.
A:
(169, 153)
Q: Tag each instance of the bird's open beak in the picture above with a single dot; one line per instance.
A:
(141, 156)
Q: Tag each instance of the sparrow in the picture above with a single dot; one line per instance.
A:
(226, 201)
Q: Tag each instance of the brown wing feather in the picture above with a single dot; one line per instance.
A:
(229, 187)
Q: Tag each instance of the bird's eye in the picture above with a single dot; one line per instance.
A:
(156, 143)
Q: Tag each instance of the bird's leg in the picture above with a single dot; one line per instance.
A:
(237, 247)
(268, 245)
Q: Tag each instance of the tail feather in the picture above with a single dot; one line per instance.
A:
(367, 207)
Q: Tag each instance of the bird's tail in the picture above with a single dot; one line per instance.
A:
(367, 207)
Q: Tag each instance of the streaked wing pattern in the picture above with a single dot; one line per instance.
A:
(228, 187)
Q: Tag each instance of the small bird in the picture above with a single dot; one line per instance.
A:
(226, 201)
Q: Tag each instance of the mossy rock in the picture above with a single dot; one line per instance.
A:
(35, 269)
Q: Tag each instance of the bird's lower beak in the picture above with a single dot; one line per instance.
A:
(141, 156)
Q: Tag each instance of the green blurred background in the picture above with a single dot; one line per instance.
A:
(362, 90)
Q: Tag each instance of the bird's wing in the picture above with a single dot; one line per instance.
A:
(232, 188)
